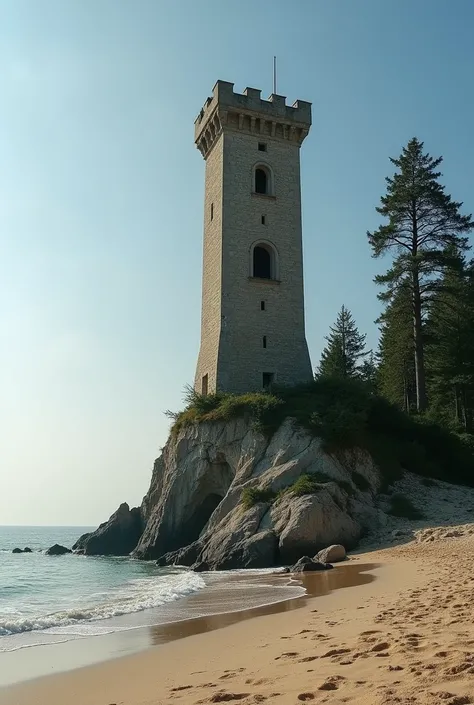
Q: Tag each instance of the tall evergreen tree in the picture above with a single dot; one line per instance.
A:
(396, 370)
(450, 350)
(424, 225)
(368, 371)
(345, 347)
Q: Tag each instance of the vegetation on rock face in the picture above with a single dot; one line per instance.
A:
(346, 414)
(254, 495)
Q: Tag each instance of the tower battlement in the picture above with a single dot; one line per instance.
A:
(248, 112)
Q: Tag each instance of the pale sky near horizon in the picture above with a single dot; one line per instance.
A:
(101, 204)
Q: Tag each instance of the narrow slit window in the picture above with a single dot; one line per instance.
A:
(264, 341)
(212, 211)
(267, 380)
(263, 220)
(262, 305)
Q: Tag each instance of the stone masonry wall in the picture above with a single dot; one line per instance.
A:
(233, 322)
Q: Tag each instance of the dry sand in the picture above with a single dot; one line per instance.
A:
(406, 637)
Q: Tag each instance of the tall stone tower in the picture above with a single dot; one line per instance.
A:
(252, 327)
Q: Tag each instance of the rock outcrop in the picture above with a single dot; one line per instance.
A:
(57, 550)
(194, 515)
(116, 537)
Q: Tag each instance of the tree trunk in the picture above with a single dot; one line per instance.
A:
(420, 379)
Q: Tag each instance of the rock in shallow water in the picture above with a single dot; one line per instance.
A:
(17, 550)
(57, 550)
(308, 565)
(116, 537)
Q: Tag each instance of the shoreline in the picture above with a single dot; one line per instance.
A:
(161, 673)
(216, 607)
(405, 635)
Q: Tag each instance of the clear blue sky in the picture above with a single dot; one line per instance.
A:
(101, 196)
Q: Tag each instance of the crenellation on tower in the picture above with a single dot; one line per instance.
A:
(252, 326)
(247, 111)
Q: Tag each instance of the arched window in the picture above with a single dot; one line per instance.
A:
(261, 181)
(263, 261)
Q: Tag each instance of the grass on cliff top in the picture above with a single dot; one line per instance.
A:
(345, 415)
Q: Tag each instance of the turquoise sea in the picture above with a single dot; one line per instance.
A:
(45, 599)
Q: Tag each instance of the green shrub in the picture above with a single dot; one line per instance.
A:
(307, 484)
(360, 481)
(401, 506)
(254, 495)
(345, 414)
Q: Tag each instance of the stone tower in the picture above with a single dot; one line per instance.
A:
(252, 327)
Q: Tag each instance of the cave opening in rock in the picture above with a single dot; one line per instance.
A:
(209, 494)
(201, 515)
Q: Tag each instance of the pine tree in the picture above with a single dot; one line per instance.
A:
(424, 225)
(368, 371)
(396, 370)
(450, 350)
(340, 357)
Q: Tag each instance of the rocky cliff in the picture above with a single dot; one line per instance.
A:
(226, 494)
(195, 501)
(223, 495)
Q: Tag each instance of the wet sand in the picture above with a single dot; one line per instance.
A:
(221, 599)
(405, 638)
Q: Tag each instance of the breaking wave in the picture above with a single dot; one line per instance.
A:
(135, 596)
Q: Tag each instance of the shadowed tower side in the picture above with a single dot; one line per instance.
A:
(252, 320)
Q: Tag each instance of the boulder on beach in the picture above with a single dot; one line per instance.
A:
(331, 554)
(309, 565)
(57, 550)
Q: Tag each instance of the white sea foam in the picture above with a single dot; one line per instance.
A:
(137, 595)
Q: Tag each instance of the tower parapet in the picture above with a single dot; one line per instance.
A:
(247, 112)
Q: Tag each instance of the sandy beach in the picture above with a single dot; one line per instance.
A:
(405, 637)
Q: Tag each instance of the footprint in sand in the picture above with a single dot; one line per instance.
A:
(381, 646)
(180, 687)
(287, 654)
(335, 652)
(306, 696)
(223, 697)
(331, 683)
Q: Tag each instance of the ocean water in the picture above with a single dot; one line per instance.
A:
(45, 599)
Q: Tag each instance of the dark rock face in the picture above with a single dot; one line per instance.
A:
(257, 551)
(116, 537)
(307, 565)
(184, 556)
(201, 567)
(57, 550)
(17, 550)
